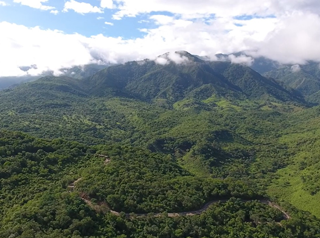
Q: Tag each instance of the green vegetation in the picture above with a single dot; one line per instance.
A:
(39, 200)
(140, 181)
(304, 78)
(299, 182)
(148, 139)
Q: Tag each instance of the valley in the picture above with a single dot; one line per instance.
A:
(160, 142)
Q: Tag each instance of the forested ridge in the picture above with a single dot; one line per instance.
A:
(141, 138)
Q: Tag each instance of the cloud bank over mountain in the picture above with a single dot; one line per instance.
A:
(287, 31)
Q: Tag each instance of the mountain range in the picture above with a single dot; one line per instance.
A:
(301, 80)
(80, 153)
(77, 72)
(194, 78)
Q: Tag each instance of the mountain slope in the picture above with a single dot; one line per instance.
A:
(303, 78)
(141, 156)
(149, 96)
(252, 83)
(174, 81)
(58, 189)
(76, 72)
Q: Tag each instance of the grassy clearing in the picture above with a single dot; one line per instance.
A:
(194, 165)
(290, 188)
(299, 183)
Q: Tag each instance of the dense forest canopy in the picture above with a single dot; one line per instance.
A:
(204, 149)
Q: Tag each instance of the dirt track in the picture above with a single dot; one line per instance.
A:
(286, 216)
(205, 207)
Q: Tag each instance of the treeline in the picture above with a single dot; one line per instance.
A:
(37, 199)
(65, 215)
(30, 166)
(139, 181)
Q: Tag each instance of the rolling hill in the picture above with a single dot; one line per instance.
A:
(193, 78)
(303, 78)
(164, 136)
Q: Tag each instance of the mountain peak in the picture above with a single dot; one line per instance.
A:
(183, 53)
(177, 57)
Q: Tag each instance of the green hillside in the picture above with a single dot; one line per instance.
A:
(65, 189)
(194, 78)
(303, 78)
(165, 140)
(298, 183)
(77, 72)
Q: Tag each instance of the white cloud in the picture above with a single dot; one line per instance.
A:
(221, 8)
(107, 4)
(242, 59)
(291, 35)
(100, 18)
(161, 61)
(47, 50)
(38, 4)
(81, 7)
(162, 19)
(189, 8)
(54, 12)
(2, 3)
(295, 68)
(108, 23)
(176, 57)
(289, 39)
(294, 39)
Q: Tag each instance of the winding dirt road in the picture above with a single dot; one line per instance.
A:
(203, 209)
(103, 207)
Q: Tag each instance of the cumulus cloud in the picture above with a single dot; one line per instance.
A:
(293, 40)
(107, 4)
(40, 50)
(38, 4)
(161, 61)
(54, 12)
(284, 30)
(2, 3)
(177, 57)
(295, 68)
(220, 8)
(189, 8)
(162, 19)
(81, 7)
(174, 56)
(52, 50)
(108, 23)
(242, 59)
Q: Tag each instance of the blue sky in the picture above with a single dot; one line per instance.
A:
(71, 21)
(53, 34)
